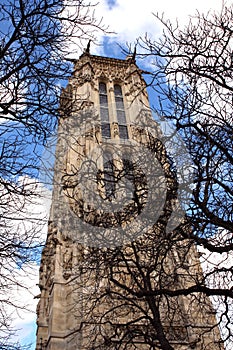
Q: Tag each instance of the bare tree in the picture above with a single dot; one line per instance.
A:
(192, 80)
(36, 37)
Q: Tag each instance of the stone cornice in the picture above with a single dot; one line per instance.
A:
(106, 60)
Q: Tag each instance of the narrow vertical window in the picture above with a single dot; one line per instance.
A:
(109, 175)
(128, 173)
(104, 113)
(120, 111)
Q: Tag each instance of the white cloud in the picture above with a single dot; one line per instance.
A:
(131, 19)
(24, 320)
(28, 217)
(217, 267)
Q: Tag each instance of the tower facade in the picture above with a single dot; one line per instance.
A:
(116, 266)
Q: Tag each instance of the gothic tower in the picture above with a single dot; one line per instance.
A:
(112, 273)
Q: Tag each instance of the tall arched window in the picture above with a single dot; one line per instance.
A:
(120, 111)
(104, 113)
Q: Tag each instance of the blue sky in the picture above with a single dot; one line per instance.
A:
(129, 19)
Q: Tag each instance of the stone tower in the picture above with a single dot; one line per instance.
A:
(111, 271)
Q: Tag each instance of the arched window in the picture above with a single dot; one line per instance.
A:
(120, 111)
(104, 113)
